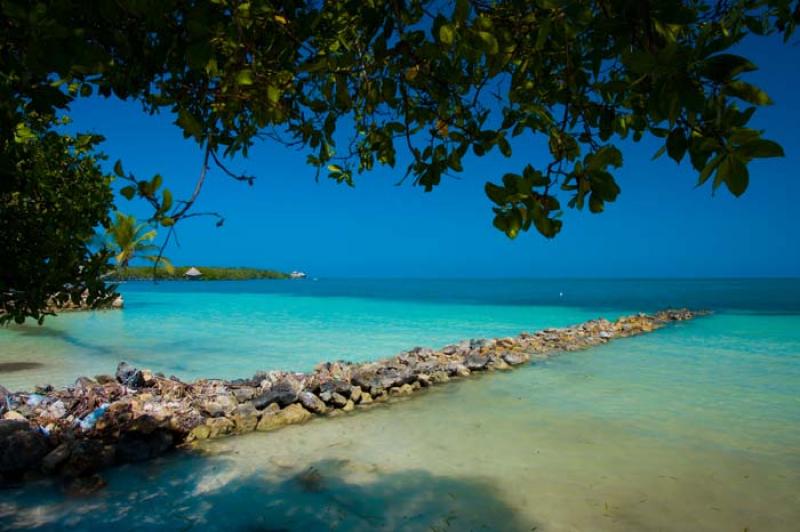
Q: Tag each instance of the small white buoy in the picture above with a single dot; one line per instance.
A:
(561, 294)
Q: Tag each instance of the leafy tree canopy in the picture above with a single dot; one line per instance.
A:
(51, 201)
(430, 80)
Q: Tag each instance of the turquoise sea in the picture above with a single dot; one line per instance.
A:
(693, 427)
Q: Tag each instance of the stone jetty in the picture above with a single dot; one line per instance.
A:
(136, 415)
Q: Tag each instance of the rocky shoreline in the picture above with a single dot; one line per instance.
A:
(137, 415)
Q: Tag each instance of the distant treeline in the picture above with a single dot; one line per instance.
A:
(209, 273)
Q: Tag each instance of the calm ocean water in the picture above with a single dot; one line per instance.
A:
(694, 427)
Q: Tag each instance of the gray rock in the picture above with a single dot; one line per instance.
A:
(246, 409)
(129, 376)
(39, 388)
(284, 392)
(458, 370)
(515, 358)
(57, 410)
(84, 382)
(475, 361)
(424, 379)
(338, 399)
(336, 386)
(213, 409)
(378, 380)
(244, 393)
(312, 403)
(355, 393)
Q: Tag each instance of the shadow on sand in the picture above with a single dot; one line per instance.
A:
(11, 367)
(207, 493)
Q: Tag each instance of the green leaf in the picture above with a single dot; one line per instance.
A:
(166, 201)
(595, 203)
(461, 11)
(547, 227)
(128, 192)
(189, 123)
(605, 156)
(543, 33)
(343, 93)
(490, 44)
(22, 133)
(495, 193)
(723, 67)
(514, 223)
(500, 222)
(761, 148)
(747, 92)
(118, 169)
(447, 34)
(505, 147)
(244, 77)
(167, 221)
(736, 176)
(273, 94)
(676, 144)
(708, 170)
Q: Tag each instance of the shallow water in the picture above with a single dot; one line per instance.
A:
(694, 427)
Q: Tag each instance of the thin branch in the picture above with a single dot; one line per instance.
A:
(239, 177)
(187, 204)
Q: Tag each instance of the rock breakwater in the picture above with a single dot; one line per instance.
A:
(136, 415)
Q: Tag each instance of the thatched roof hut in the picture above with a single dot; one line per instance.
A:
(193, 273)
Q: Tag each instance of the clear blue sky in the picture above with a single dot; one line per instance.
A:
(660, 226)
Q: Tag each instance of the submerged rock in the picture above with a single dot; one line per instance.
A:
(56, 457)
(221, 426)
(405, 389)
(82, 486)
(290, 415)
(22, 448)
(136, 446)
(85, 457)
